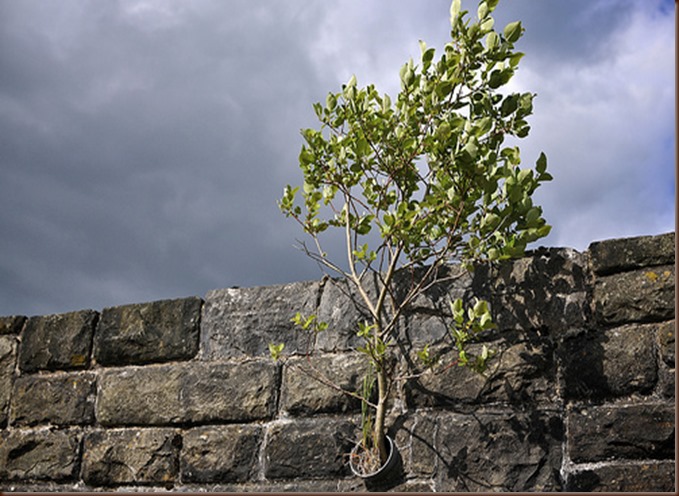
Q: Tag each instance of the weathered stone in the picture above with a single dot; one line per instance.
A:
(306, 386)
(39, 455)
(428, 317)
(616, 362)
(12, 324)
(8, 347)
(311, 448)
(645, 295)
(148, 332)
(637, 477)
(644, 431)
(617, 255)
(140, 396)
(239, 322)
(666, 342)
(523, 372)
(342, 308)
(501, 451)
(62, 341)
(188, 393)
(220, 453)
(143, 456)
(415, 438)
(544, 290)
(65, 399)
(666, 382)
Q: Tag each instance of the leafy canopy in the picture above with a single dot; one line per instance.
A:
(429, 172)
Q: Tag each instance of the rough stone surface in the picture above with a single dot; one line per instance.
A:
(645, 295)
(643, 431)
(144, 456)
(303, 395)
(8, 346)
(220, 453)
(342, 308)
(239, 322)
(611, 363)
(148, 332)
(64, 399)
(415, 438)
(62, 341)
(553, 280)
(188, 393)
(666, 342)
(581, 396)
(312, 448)
(39, 455)
(637, 477)
(499, 451)
(520, 373)
(12, 324)
(618, 255)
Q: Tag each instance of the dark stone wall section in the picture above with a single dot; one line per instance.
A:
(180, 395)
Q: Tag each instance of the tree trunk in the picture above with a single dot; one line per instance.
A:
(378, 435)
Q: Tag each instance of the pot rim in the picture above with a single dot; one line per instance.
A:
(382, 467)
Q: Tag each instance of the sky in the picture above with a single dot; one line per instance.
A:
(144, 144)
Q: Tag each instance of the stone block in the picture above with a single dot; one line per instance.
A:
(57, 342)
(220, 453)
(239, 322)
(645, 295)
(618, 255)
(142, 333)
(131, 456)
(188, 393)
(342, 308)
(310, 448)
(415, 437)
(544, 290)
(612, 363)
(499, 451)
(306, 388)
(520, 373)
(12, 324)
(8, 351)
(64, 399)
(666, 342)
(644, 431)
(637, 477)
(39, 455)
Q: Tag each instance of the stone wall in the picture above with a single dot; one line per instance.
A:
(181, 395)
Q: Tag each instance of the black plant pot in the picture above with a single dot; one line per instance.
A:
(387, 476)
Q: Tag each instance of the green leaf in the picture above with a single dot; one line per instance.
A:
(454, 12)
(487, 25)
(541, 163)
(275, 350)
(492, 40)
(443, 89)
(330, 102)
(482, 11)
(490, 221)
(512, 31)
(515, 59)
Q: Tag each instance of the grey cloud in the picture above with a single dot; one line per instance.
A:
(143, 145)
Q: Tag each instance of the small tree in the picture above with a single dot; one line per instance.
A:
(417, 183)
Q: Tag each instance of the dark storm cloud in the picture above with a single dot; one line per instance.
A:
(143, 144)
(140, 151)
